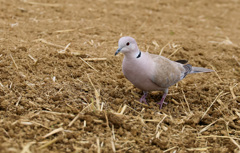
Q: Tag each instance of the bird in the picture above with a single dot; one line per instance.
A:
(151, 72)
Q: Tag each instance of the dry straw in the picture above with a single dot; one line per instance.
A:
(212, 104)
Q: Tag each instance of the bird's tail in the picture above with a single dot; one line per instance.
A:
(200, 69)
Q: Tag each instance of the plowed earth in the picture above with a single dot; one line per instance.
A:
(62, 89)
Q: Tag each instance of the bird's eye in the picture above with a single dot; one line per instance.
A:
(127, 43)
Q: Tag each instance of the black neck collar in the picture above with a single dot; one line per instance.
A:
(139, 55)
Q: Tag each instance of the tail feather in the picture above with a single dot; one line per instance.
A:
(200, 69)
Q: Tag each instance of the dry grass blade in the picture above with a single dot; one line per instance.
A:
(217, 136)
(65, 49)
(175, 102)
(14, 61)
(113, 146)
(26, 123)
(208, 126)
(53, 132)
(163, 48)
(88, 106)
(49, 43)
(124, 2)
(97, 94)
(212, 104)
(220, 102)
(113, 133)
(57, 113)
(84, 123)
(88, 64)
(174, 52)
(157, 127)
(40, 125)
(235, 58)
(101, 109)
(75, 118)
(232, 92)
(233, 141)
(158, 134)
(186, 101)
(142, 104)
(216, 73)
(184, 107)
(48, 143)
(237, 113)
(34, 60)
(151, 120)
(123, 109)
(142, 121)
(119, 108)
(126, 149)
(106, 119)
(91, 82)
(95, 59)
(62, 31)
(42, 4)
(133, 109)
(1, 85)
(19, 99)
(142, 111)
(73, 52)
(199, 149)
(26, 147)
(227, 41)
(154, 42)
(169, 149)
(98, 146)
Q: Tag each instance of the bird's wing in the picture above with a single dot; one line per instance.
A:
(166, 72)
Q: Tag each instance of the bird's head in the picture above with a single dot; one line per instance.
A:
(127, 45)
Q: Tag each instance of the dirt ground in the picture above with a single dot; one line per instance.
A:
(63, 90)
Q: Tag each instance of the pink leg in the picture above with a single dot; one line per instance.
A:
(162, 100)
(143, 98)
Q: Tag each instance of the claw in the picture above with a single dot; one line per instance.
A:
(143, 98)
(162, 101)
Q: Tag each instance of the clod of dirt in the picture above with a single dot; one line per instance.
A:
(22, 48)
(2, 93)
(135, 132)
(56, 97)
(194, 119)
(115, 120)
(120, 131)
(161, 143)
(4, 104)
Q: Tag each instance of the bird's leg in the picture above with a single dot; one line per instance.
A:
(162, 100)
(143, 98)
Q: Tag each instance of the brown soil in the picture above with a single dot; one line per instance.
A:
(47, 100)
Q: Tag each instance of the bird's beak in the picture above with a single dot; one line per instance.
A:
(118, 50)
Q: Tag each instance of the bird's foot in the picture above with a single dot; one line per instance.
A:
(162, 101)
(143, 98)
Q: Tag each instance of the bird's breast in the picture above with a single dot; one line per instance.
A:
(139, 73)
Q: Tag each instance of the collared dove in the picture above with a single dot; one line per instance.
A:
(150, 72)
